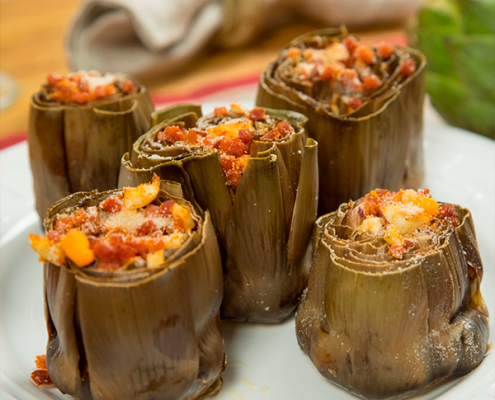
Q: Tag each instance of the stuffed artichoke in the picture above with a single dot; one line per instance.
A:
(79, 127)
(393, 300)
(133, 286)
(365, 110)
(255, 172)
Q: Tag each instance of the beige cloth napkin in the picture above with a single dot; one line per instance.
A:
(145, 37)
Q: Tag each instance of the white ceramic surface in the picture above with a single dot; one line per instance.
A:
(265, 362)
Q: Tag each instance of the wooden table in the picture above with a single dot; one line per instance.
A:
(32, 40)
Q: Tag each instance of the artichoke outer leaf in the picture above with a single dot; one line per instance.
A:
(474, 60)
(47, 155)
(306, 204)
(258, 191)
(478, 16)
(171, 113)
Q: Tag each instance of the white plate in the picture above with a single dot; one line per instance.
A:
(265, 362)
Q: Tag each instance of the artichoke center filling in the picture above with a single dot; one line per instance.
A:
(230, 133)
(84, 86)
(345, 71)
(125, 230)
(404, 220)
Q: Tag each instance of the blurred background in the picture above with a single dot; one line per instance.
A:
(201, 50)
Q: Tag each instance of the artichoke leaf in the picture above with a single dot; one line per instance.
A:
(170, 114)
(47, 155)
(258, 191)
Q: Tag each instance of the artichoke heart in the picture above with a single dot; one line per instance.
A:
(255, 172)
(79, 127)
(132, 295)
(393, 301)
(365, 110)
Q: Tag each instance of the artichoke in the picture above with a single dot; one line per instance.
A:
(458, 38)
(393, 301)
(365, 110)
(124, 319)
(76, 136)
(261, 192)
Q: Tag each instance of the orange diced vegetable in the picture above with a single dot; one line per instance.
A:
(142, 195)
(76, 246)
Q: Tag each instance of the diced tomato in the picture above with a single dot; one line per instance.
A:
(349, 79)
(41, 362)
(257, 114)
(171, 134)
(245, 136)
(408, 244)
(227, 162)
(234, 147)
(272, 135)
(191, 137)
(407, 68)
(397, 251)
(128, 87)
(165, 208)
(112, 204)
(152, 210)
(121, 250)
(99, 92)
(371, 82)
(80, 217)
(208, 141)
(365, 53)
(146, 228)
(355, 103)
(64, 225)
(448, 212)
(220, 112)
(424, 192)
(54, 236)
(284, 128)
(350, 42)
(293, 52)
(53, 79)
(233, 178)
(109, 90)
(384, 50)
(41, 378)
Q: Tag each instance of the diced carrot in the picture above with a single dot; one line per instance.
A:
(220, 112)
(142, 195)
(76, 246)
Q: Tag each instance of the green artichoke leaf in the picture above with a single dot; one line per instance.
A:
(306, 203)
(181, 111)
(478, 16)
(474, 60)
(441, 16)
(252, 228)
(47, 155)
